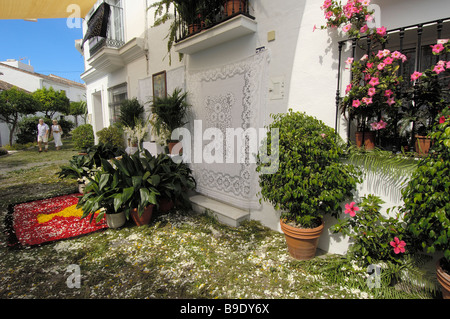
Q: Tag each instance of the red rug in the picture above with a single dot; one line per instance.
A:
(48, 220)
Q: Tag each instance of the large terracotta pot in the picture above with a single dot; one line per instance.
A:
(115, 220)
(302, 243)
(145, 218)
(443, 279)
(422, 145)
(369, 140)
(233, 6)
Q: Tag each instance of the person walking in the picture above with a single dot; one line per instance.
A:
(42, 135)
(57, 134)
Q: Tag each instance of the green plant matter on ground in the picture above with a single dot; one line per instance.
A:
(178, 255)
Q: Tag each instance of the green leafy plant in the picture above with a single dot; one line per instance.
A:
(112, 135)
(83, 136)
(169, 113)
(131, 112)
(311, 179)
(79, 167)
(427, 195)
(175, 179)
(136, 182)
(373, 235)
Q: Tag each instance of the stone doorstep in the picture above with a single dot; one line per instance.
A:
(224, 213)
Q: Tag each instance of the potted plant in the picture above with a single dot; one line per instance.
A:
(79, 168)
(232, 7)
(427, 200)
(131, 113)
(168, 114)
(372, 94)
(176, 181)
(136, 189)
(311, 180)
(100, 199)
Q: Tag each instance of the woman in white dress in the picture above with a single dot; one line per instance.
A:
(57, 133)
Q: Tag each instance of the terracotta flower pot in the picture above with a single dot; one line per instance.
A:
(233, 6)
(165, 205)
(422, 145)
(443, 279)
(302, 243)
(145, 218)
(115, 220)
(193, 28)
(369, 140)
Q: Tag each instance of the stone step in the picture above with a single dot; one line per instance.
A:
(224, 213)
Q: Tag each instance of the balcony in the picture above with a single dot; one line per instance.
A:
(200, 27)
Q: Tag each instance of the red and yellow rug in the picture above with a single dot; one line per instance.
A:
(48, 220)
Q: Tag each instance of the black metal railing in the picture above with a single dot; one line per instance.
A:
(415, 42)
(105, 42)
(207, 14)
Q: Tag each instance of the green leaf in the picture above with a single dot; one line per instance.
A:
(127, 193)
(104, 179)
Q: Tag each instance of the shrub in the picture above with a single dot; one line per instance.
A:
(370, 231)
(28, 129)
(83, 136)
(311, 179)
(3, 151)
(427, 195)
(111, 135)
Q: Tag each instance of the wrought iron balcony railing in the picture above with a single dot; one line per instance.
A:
(203, 15)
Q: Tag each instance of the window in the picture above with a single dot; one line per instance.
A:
(117, 95)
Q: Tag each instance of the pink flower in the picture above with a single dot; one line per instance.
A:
(386, 52)
(443, 41)
(314, 28)
(364, 29)
(365, 2)
(349, 61)
(381, 31)
(326, 4)
(448, 65)
(378, 125)
(380, 54)
(369, 65)
(399, 246)
(442, 119)
(404, 58)
(356, 103)
(364, 57)
(369, 17)
(328, 14)
(390, 101)
(367, 100)
(438, 69)
(351, 209)
(415, 76)
(388, 93)
(374, 81)
(349, 87)
(323, 135)
(347, 27)
(371, 92)
(396, 55)
(388, 60)
(437, 48)
(381, 66)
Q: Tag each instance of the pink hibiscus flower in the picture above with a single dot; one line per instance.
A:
(374, 81)
(399, 245)
(351, 209)
(415, 76)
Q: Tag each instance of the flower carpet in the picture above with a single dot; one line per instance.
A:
(48, 220)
